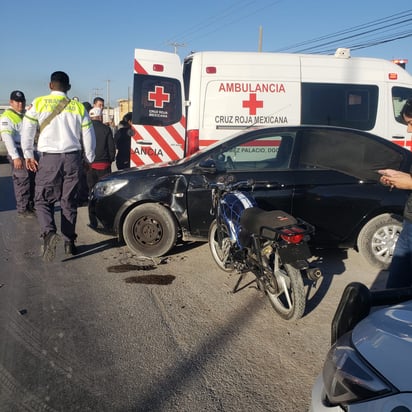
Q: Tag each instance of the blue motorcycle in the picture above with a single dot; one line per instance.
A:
(270, 244)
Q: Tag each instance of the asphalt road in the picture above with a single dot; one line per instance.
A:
(109, 331)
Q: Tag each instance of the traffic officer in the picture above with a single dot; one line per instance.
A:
(65, 130)
(23, 179)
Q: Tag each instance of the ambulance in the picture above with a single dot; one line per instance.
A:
(179, 108)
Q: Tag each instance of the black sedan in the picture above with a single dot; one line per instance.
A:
(325, 175)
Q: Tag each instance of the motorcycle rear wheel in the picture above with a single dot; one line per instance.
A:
(221, 254)
(287, 294)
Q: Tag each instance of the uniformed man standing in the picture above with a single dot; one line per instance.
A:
(23, 179)
(65, 128)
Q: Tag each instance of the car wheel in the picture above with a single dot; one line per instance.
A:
(377, 239)
(150, 230)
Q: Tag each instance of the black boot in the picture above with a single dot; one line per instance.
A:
(70, 248)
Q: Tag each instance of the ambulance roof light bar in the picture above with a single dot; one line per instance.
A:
(400, 62)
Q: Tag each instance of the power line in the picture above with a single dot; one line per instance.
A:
(363, 31)
(344, 40)
(357, 35)
(225, 18)
(212, 19)
(371, 43)
(346, 31)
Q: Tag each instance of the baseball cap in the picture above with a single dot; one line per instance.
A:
(17, 96)
(95, 112)
(60, 77)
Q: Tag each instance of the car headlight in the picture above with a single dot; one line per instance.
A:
(108, 187)
(349, 378)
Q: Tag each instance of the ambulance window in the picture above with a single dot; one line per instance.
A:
(187, 70)
(346, 105)
(399, 97)
(270, 152)
(157, 101)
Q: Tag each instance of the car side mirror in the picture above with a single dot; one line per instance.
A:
(354, 305)
(207, 166)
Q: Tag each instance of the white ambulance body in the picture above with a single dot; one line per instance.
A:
(179, 108)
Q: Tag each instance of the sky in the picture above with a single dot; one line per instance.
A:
(94, 42)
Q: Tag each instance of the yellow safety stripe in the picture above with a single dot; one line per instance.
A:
(46, 104)
(12, 115)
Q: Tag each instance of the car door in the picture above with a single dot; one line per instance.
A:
(261, 155)
(337, 184)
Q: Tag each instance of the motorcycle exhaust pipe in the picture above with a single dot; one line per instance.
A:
(313, 273)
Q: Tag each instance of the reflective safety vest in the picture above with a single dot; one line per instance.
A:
(67, 132)
(10, 127)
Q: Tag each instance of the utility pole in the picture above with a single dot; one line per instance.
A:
(260, 39)
(108, 100)
(94, 93)
(176, 45)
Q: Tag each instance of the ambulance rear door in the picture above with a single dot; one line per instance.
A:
(159, 124)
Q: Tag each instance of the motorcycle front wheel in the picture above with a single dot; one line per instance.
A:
(220, 252)
(286, 292)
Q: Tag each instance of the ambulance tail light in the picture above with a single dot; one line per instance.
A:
(192, 142)
(158, 68)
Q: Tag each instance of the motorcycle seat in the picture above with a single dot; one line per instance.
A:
(253, 219)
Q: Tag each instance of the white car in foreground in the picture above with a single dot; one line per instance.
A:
(369, 366)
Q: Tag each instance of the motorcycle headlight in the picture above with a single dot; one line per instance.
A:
(349, 378)
(108, 187)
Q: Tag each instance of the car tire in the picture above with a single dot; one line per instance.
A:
(377, 239)
(150, 230)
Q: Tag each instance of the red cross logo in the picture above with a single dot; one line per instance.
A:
(252, 104)
(159, 97)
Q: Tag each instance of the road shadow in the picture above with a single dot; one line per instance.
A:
(7, 199)
(331, 263)
(183, 247)
(98, 247)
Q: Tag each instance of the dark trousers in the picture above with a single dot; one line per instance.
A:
(93, 176)
(122, 163)
(23, 184)
(57, 180)
(400, 269)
